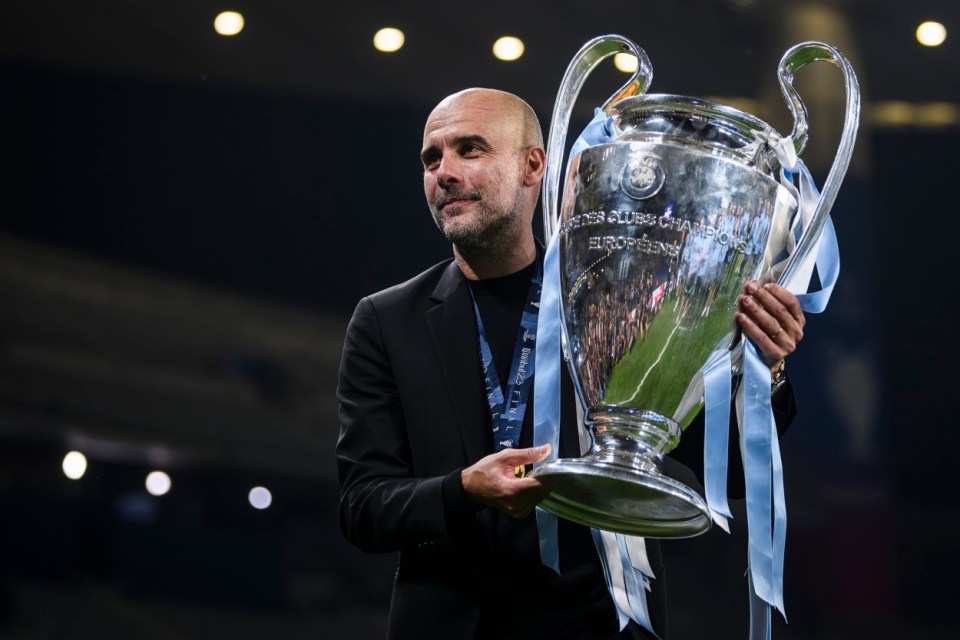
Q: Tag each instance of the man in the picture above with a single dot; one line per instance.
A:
(416, 456)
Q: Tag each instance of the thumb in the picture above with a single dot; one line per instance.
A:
(536, 454)
(524, 456)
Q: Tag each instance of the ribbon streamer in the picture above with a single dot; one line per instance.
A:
(716, 395)
(626, 581)
(546, 391)
(625, 575)
(763, 468)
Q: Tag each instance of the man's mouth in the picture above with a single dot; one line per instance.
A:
(455, 200)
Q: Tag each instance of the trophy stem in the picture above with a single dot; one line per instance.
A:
(618, 486)
(631, 437)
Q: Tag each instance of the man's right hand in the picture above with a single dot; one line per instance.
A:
(492, 481)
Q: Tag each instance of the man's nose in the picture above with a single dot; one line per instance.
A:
(448, 171)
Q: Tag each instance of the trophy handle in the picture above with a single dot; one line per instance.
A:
(583, 63)
(793, 60)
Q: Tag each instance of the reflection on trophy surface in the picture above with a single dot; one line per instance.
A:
(655, 280)
(659, 229)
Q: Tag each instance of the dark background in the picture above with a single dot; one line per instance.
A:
(187, 220)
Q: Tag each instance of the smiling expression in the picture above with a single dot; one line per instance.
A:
(473, 164)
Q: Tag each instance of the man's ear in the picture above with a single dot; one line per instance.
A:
(535, 163)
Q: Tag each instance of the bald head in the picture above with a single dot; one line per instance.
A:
(504, 107)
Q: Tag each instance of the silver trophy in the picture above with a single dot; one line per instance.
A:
(659, 231)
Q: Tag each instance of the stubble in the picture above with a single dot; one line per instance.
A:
(491, 230)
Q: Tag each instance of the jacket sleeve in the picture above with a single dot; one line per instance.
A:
(383, 506)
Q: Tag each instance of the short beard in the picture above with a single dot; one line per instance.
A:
(489, 234)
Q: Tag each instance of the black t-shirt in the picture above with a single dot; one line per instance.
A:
(525, 599)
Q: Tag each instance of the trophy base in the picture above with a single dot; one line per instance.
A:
(623, 499)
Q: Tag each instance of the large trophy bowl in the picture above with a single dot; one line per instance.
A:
(659, 230)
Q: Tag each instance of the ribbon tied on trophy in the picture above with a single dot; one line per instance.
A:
(670, 205)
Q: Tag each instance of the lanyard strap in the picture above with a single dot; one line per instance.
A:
(508, 405)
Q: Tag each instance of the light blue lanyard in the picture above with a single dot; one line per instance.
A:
(508, 406)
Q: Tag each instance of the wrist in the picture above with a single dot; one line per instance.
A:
(463, 488)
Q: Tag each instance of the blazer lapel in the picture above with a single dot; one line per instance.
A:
(452, 327)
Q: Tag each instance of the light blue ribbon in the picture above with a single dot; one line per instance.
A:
(599, 131)
(828, 267)
(635, 583)
(546, 391)
(546, 403)
(763, 467)
(761, 627)
(622, 616)
(716, 395)
(828, 255)
(759, 434)
(546, 398)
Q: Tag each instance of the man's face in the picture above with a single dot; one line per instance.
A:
(473, 170)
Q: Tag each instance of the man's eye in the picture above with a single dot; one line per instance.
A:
(430, 161)
(470, 149)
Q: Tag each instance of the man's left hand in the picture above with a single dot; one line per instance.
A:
(771, 316)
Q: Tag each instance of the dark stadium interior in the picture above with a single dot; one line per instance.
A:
(187, 221)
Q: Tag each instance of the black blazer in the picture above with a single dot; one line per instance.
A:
(412, 415)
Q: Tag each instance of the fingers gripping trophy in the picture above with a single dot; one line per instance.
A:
(670, 205)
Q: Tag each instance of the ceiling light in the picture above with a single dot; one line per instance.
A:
(74, 465)
(158, 483)
(914, 114)
(626, 62)
(388, 39)
(260, 497)
(508, 48)
(228, 23)
(938, 114)
(893, 112)
(931, 34)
